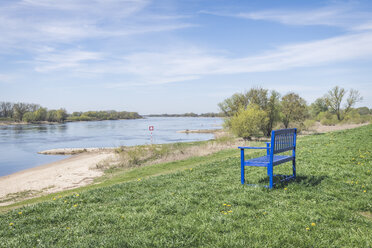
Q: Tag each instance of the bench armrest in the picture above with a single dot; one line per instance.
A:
(247, 147)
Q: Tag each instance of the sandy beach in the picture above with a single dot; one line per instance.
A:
(72, 172)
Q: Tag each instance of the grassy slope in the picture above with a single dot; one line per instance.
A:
(127, 175)
(187, 208)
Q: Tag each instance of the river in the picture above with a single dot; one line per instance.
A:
(19, 144)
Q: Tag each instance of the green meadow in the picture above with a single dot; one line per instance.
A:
(199, 202)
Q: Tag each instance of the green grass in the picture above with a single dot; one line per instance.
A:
(186, 207)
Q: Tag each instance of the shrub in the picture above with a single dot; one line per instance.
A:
(40, 114)
(352, 117)
(308, 124)
(321, 116)
(134, 155)
(29, 117)
(158, 151)
(329, 120)
(363, 111)
(248, 122)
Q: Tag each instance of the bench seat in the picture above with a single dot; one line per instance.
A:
(264, 161)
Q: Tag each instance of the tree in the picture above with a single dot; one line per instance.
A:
(272, 110)
(32, 107)
(29, 117)
(61, 115)
(334, 99)
(248, 122)
(51, 116)
(320, 105)
(40, 114)
(353, 98)
(19, 109)
(293, 109)
(6, 109)
(231, 105)
(259, 97)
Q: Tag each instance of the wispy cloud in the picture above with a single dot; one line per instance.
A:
(192, 63)
(341, 15)
(29, 24)
(66, 60)
(173, 66)
(56, 41)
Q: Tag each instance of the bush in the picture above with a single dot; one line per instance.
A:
(248, 122)
(321, 115)
(29, 117)
(363, 111)
(331, 121)
(135, 155)
(308, 124)
(352, 117)
(365, 118)
(40, 114)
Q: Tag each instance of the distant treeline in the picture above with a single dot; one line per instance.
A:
(189, 115)
(34, 113)
(103, 115)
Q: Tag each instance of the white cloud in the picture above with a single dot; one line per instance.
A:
(97, 7)
(191, 63)
(364, 26)
(173, 66)
(30, 24)
(55, 36)
(68, 59)
(327, 16)
(340, 15)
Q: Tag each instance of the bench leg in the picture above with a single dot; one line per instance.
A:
(271, 175)
(242, 166)
(294, 167)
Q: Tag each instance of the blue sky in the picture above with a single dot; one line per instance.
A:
(168, 56)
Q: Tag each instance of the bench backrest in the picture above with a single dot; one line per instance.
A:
(283, 140)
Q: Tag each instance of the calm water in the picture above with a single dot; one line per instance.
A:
(19, 144)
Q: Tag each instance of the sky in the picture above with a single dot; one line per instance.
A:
(163, 56)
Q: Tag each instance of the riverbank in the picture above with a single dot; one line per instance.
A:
(71, 172)
(87, 164)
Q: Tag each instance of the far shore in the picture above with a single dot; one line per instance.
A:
(12, 123)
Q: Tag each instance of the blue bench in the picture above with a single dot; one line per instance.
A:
(281, 141)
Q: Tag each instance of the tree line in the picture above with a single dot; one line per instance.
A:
(34, 113)
(257, 111)
(103, 115)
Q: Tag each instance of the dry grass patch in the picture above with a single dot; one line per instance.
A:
(367, 214)
(129, 157)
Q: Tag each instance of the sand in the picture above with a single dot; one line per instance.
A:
(75, 171)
